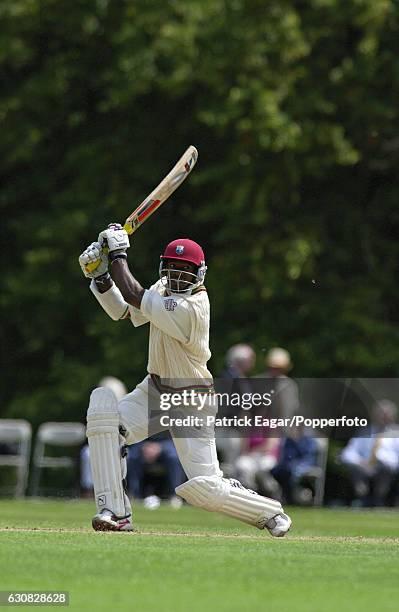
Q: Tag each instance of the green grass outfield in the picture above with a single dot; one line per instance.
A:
(191, 560)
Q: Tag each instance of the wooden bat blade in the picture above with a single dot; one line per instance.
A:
(161, 193)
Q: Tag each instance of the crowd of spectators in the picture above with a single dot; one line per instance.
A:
(371, 459)
(286, 463)
(275, 461)
(283, 463)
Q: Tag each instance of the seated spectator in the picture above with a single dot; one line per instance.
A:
(146, 460)
(263, 446)
(298, 454)
(285, 390)
(240, 361)
(372, 461)
(259, 456)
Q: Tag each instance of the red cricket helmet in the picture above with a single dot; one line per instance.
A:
(182, 249)
(185, 250)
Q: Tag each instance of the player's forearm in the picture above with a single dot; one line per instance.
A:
(130, 288)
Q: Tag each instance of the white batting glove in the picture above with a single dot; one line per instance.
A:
(93, 261)
(116, 240)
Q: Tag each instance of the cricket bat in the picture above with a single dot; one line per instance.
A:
(159, 195)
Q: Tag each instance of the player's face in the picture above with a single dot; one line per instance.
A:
(181, 273)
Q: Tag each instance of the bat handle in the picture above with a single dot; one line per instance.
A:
(92, 266)
(128, 228)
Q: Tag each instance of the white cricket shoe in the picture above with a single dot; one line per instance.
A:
(278, 525)
(107, 521)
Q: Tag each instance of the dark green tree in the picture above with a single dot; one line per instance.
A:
(292, 105)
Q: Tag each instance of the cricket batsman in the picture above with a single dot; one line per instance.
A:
(177, 310)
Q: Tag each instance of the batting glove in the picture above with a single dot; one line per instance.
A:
(93, 261)
(116, 240)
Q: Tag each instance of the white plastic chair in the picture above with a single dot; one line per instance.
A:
(16, 432)
(55, 434)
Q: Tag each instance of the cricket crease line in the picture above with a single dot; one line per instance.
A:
(226, 536)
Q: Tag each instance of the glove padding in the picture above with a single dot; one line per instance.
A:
(114, 238)
(94, 254)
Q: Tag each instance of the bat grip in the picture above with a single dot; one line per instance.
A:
(94, 265)
(128, 228)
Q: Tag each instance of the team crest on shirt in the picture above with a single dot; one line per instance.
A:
(170, 304)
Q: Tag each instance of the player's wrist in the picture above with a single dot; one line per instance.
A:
(114, 255)
(103, 282)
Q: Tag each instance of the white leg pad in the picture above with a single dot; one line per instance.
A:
(230, 497)
(107, 465)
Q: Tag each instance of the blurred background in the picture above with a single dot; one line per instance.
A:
(293, 106)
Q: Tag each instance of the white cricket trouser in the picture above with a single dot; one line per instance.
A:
(197, 455)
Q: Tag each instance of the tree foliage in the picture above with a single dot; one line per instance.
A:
(293, 107)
